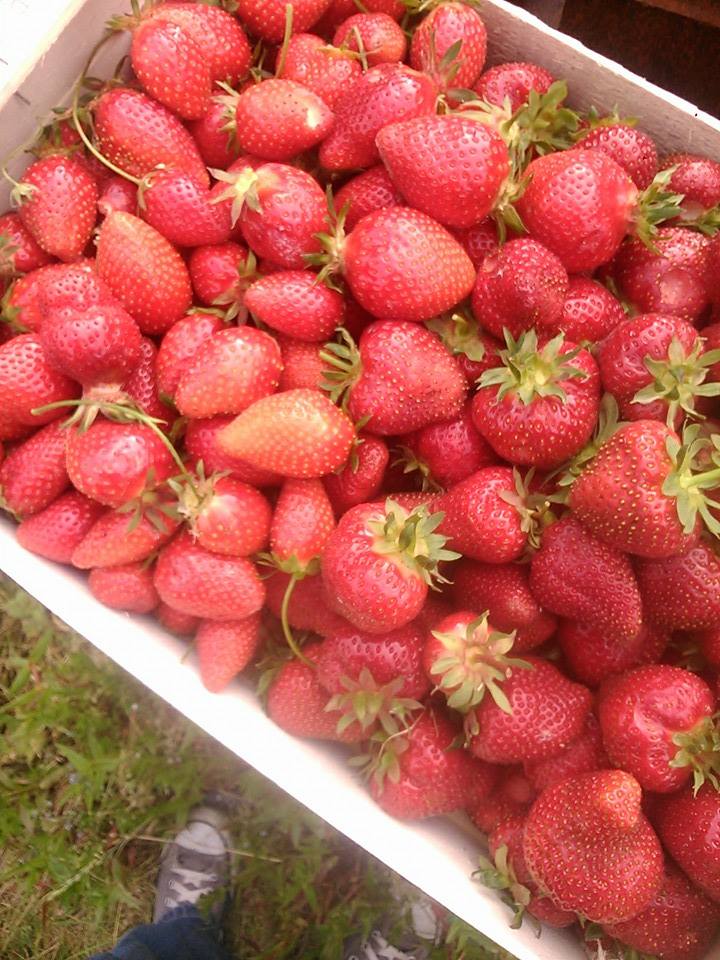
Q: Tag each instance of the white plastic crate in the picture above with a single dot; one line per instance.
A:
(43, 46)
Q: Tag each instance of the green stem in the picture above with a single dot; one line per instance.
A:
(287, 632)
(702, 478)
(280, 66)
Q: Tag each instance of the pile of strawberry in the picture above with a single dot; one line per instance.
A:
(397, 385)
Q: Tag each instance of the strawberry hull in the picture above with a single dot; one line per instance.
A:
(437, 855)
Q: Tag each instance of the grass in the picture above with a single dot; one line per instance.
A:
(96, 774)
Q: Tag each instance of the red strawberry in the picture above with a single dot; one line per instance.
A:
(225, 647)
(213, 134)
(66, 288)
(589, 846)
(171, 67)
(582, 755)
(299, 433)
(115, 539)
(226, 515)
(307, 609)
(399, 378)
(520, 287)
(479, 241)
(204, 584)
(360, 479)
(512, 82)
(378, 564)
(340, 10)
(137, 133)
(590, 311)
(59, 205)
(503, 590)
(180, 207)
(541, 406)
(580, 204)
(220, 274)
(377, 35)
(708, 642)
(201, 442)
(301, 525)
(579, 577)
(125, 587)
(450, 167)
(144, 272)
(368, 191)
(592, 654)
(55, 531)
(687, 824)
(115, 463)
(21, 303)
(682, 592)
(656, 723)
(33, 473)
(27, 381)
(278, 119)
(696, 178)
(402, 263)
(319, 67)
(632, 149)
(510, 796)
(265, 19)
(451, 28)
(303, 366)
(679, 924)
(180, 345)
(294, 303)
(19, 251)
(231, 371)
(176, 622)
(671, 278)
(384, 94)
(142, 387)
(117, 194)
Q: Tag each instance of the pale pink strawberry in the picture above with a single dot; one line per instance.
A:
(224, 648)
(33, 474)
(56, 531)
(450, 23)
(124, 587)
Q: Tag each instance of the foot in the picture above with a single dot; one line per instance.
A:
(195, 863)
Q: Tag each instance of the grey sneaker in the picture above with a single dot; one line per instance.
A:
(195, 863)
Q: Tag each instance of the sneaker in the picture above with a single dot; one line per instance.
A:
(195, 863)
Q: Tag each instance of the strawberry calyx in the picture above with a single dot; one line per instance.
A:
(10, 314)
(411, 463)
(7, 252)
(653, 205)
(381, 758)
(498, 874)
(680, 378)
(371, 704)
(242, 189)
(410, 540)
(230, 304)
(458, 331)
(689, 486)
(529, 371)
(608, 423)
(330, 259)
(475, 661)
(700, 750)
(705, 221)
(534, 507)
(344, 366)
(152, 504)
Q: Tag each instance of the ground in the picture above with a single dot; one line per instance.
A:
(96, 774)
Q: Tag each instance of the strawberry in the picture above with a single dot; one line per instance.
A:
(680, 923)
(400, 262)
(98, 345)
(512, 82)
(399, 378)
(682, 592)
(265, 19)
(137, 133)
(21, 303)
(299, 433)
(115, 539)
(473, 349)
(204, 584)
(142, 387)
(582, 755)
(447, 452)
(579, 577)
(58, 205)
(510, 796)
(367, 191)
(379, 562)
(301, 526)
(144, 272)
(450, 44)
(503, 590)
(541, 406)
(340, 10)
(656, 723)
(696, 178)
(27, 381)
(479, 241)
(220, 274)
(633, 493)
(319, 67)
(225, 515)
(294, 303)
(306, 608)
(298, 704)
(231, 371)
(278, 119)
(176, 622)
(670, 278)
(19, 251)
(180, 207)
(708, 642)
(360, 479)
(303, 366)
(128, 587)
(590, 311)
(33, 473)
(376, 35)
(180, 345)
(591, 654)
(687, 824)
(384, 94)
(225, 648)
(450, 167)
(54, 532)
(68, 288)
(589, 846)
(213, 135)
(520, 287)
(115, 463)
(117, 194)
(171, 67)
(201, 442)
(632, 149)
